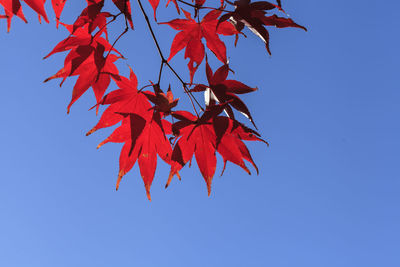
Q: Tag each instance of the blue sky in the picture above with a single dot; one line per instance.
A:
(328, 190)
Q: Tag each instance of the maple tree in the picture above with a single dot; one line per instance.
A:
(150, 122)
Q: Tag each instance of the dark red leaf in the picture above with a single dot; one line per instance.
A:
(125, 7)
(253, 15)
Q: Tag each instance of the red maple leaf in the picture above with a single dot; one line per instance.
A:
(207, 135)
(90, 16)
(253, 15)
(225, 91)
(58, 6)
(143, 131)
(154, 4)
(8, 16)
(162, 102)
(125, 7)
(143, 140)
(127, 99)
(81, 36)
(200, 2)
(87, 60)
(13, 7)
(191, 34)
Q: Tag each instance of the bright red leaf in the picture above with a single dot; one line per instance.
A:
(154, 4)
(204, 137)
(190, 36)
(143, 141)
(125, 100)
(86, 59)
(13, 7)
(142, 131)
(58, 6)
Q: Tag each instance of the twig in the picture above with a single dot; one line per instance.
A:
(116, 40)
(165, 62)
(202, 7)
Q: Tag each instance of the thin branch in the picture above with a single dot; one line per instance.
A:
(105, 25)
(184, 85)
(160, 73)
(186, 89)
(151, 30)
(116, 40)
(164, 61)
(111, 49)
(202, 7)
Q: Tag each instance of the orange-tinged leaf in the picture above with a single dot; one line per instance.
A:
(142, 129)
(144, 140)
(206, 136)
(163, 103)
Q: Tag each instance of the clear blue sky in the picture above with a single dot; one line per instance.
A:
(328, 192)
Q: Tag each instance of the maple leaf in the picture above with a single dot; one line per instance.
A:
(58, 6)
(89, 15)
(125, 7)
(38, 7)
(191, 34)
(80, 36)
(200, 2)
(125, 100)
(154, 4)
(143, 141)
(253, 15)
(163, 102)
(207, 135)
(230, 146)
(195, 138)
(224, 91)
(93, 72)
(142, 129)
(13, 7)
(8, 16)
(87, 60)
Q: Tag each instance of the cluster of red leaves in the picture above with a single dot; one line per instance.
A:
(142, 115)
